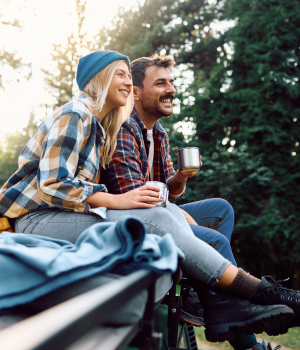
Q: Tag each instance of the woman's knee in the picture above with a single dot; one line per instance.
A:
(160, 221)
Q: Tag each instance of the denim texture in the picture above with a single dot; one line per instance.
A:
(215, 218)
(201, 260)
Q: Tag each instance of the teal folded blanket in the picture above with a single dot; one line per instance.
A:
(32, 265)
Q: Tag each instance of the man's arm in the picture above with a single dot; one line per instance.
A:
(177, 182)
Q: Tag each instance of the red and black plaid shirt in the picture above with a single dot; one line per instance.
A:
(129, 168)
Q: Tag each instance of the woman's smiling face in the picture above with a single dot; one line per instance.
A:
(120, 87)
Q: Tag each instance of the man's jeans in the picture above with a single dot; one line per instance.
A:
(215, 218)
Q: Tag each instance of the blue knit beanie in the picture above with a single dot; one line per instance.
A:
(90, 65)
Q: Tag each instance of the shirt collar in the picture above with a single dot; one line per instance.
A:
(83, 97)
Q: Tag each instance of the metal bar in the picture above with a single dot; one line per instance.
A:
(106, 338)
(61, 325)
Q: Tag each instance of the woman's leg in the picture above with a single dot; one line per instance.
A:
(207, 267)
(56, 223)
(201, 260)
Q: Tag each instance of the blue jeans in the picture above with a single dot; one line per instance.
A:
(215, 218)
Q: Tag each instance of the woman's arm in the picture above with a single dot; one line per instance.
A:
(57, 182)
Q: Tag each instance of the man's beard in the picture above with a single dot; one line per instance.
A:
(156, 110)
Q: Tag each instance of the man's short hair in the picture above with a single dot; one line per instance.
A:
(138, 66)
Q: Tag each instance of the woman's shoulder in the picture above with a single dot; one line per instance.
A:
(79, 108)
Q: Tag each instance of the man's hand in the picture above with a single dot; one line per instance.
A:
(188, 217)
(192, 172)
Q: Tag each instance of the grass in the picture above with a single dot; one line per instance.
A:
(290, 340)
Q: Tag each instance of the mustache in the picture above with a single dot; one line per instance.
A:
(167, 96)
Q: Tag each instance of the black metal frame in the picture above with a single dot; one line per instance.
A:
(179, 330)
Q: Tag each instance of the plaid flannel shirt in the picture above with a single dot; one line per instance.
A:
(129, 167)
(58, 164)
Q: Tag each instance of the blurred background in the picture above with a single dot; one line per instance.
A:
(237, 81)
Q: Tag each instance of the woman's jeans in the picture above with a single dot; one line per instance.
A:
(215, 218)
(201, 260)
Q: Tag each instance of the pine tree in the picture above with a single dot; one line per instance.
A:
(9, 58)
(248, 124)
(61, 80)
(11, 147)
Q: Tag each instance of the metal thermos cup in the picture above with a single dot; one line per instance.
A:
(189, 159)
(163, 193)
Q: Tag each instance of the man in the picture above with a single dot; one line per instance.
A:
(142, 154)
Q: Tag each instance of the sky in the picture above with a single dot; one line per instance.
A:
(44, 22)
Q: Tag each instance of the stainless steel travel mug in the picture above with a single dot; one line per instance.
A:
(189, 159)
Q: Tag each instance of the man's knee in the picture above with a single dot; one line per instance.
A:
(224, 206)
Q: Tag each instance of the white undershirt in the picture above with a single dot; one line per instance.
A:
(151, 152)
(150, 159)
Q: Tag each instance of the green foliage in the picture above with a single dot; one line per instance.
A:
(241, 107)
(9, 58)
(61, 80)
(11, 147)
(251, 103)
(244, 103)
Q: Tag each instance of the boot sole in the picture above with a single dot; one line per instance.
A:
(284, 329)
(196, 321)
(268, 322)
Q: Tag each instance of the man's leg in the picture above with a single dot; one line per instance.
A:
(217, 217)
(215, 240)
(214, 213)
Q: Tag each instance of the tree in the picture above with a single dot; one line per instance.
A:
(8, 58)
(61, 79)
(11, 148)
(249, 108)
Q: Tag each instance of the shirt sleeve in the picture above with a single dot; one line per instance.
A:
(125, 170)
(58, 184)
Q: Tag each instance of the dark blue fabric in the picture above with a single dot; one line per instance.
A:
(215, 218)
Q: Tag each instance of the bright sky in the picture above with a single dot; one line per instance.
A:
(44, 22)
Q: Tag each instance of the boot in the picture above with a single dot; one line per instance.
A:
(224, 316)
(192, 310)
(271, 292)
(263, 346)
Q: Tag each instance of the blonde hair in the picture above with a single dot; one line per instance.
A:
(97, 89)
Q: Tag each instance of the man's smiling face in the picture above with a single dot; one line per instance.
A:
(158, 92)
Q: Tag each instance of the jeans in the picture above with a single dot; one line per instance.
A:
(215, 218)
(201, 260)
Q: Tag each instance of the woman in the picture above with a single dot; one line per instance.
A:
(56, 189)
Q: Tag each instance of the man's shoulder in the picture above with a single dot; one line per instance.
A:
(133, 124)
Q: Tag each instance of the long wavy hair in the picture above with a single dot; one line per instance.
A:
(97, 89)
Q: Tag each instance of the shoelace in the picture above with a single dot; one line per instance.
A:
(276, 288)
(269, 347)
